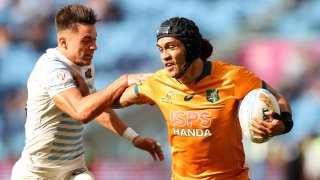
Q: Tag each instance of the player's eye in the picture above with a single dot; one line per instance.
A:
(172, 46)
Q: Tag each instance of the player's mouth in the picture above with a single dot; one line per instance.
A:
(169, 66)
(89, 56)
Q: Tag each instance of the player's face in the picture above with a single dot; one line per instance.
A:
(81, 44)
(172, 53)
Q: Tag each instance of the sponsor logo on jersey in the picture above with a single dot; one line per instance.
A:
(88, 73)
(184, 123)
(212, 95)
(62, 77)
(192, 132)
(167, 98)
(189, 97)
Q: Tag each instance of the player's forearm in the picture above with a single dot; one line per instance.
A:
(286, 113)
(110, 120)
(127, 98)
(283, 104)
(93, 105)
(121, 103)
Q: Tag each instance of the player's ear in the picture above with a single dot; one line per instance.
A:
(62, 41)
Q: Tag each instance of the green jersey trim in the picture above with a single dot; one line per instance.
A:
(264, 85)
(136, 89)
(206, 71)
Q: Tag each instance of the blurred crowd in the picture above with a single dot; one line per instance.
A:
(276, 39)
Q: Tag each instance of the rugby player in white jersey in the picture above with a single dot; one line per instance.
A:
(62, 97)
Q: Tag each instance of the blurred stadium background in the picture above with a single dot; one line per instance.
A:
(276, 39)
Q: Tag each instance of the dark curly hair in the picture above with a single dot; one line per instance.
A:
(188, 33)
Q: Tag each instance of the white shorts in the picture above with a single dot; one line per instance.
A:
(20, 171)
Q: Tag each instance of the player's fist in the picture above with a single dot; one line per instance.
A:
(150, 145)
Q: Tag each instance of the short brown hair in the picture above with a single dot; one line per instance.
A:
(69, 16)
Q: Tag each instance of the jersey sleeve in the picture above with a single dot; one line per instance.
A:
(145, 93)
(56, 77)
(245, 81)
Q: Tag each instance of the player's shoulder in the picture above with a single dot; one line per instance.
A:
(221, 67)
(223, 64)
(50, 61)
(158, 77)
(227, 70)
(45, 66)
(226, 66)
(159, 74)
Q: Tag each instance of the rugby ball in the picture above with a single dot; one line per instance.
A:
(254, 104)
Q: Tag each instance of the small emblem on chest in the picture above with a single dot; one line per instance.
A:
(212, 95)
(167, 98)
(189, 97)
(88, 73)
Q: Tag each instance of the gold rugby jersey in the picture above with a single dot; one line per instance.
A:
(203, 126)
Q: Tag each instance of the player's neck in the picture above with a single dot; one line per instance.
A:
(62, 51)
(66, 54)
(193, 72)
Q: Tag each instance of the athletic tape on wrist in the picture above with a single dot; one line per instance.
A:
(286, 118)
(130, 134)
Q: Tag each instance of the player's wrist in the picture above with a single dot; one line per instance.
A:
(130, 135)
(286, 118)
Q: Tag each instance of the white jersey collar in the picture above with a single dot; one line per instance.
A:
(61, 57)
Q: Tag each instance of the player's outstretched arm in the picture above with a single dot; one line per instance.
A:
(86, 108)
(127, 98)
(110, 120)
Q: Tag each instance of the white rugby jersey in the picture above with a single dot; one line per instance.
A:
(53, 138)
